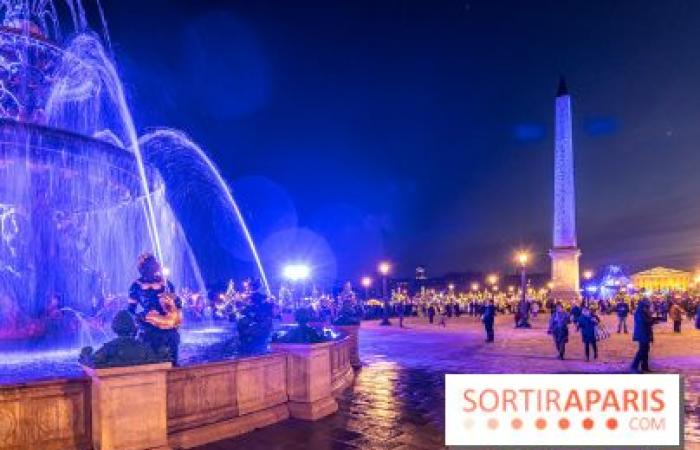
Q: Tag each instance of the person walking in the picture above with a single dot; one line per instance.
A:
(587, 324)
(575, 315)
(488, 319)
(400, 307)
(622, 310)
(643, 335)
(524, 308)
(431, 313)
(443, 316)
(559, 329)
(676, 314)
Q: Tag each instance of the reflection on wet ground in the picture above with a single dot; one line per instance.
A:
(397, 401)
(692, 407)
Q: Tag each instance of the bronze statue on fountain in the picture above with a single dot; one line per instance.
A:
(160, 313)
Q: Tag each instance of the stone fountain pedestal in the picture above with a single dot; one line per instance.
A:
(129, 407)
(353, 333)
(309, 380)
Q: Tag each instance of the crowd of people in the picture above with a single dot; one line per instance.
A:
(636, 312)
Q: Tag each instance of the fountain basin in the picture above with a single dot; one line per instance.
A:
(203, 402)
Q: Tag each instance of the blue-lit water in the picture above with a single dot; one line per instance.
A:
(82, 195)
(197, 346)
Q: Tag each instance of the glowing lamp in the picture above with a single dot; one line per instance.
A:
(366, 282)
(166, 271)
(492, 279)
(475, 286)
(384, 268)
(451, 286)
(296, 272)
(587, 274)
(522, 258)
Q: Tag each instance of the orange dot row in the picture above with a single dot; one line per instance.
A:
(563, 423)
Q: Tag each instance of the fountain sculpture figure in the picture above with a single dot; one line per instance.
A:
(79, 197)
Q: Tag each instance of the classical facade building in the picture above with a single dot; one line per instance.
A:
(662, 279)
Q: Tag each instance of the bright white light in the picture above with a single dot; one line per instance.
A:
(166, 272)
(296, 272)
(522, 257)
(366, 282)
(384, 268)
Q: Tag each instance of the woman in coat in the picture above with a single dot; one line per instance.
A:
(587, 324)
(559, 329)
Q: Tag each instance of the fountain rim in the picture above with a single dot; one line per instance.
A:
(31, 37)
(76, 145)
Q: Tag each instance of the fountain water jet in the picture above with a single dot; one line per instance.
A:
(79, 199)
(173, 141)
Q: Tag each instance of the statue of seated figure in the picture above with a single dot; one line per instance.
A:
(124, 350)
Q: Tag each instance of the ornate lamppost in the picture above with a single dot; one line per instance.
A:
(384, 268)
(523, 310)
(366, 283)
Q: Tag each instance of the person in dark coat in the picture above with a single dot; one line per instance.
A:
(676, 314)
(523, 314)
(575, 314)
(431, 313)
(488, 319)
(622, 310)
(587, 324)
(643, 335)
(559, 329)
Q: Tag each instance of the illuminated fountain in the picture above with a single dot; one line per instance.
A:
(79, 199)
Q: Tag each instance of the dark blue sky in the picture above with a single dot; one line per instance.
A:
(422, 129)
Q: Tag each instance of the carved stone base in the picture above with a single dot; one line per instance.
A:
(309, 380)
(565, 274)
(353, 333)
(46, 415)
(129, 409)
(229, 428)
(314, 410)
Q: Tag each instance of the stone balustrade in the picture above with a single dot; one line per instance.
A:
(51, 415)
(180, 407)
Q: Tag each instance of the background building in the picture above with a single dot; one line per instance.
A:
(662, 279)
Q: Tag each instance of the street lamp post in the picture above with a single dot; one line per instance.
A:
(524, 320)
(366, 283)
(297, 273)
(587, 275)
(493, 281)
(384, 269)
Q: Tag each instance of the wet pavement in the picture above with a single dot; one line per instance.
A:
(397, 401)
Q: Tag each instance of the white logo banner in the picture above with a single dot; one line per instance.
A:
(562, 410)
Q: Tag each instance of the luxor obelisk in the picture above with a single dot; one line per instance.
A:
(565, 252)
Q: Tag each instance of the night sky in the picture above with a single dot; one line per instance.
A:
(422, 130)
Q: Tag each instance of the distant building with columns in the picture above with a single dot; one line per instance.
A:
(662, 279)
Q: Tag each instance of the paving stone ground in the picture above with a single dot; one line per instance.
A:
(397, 401)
